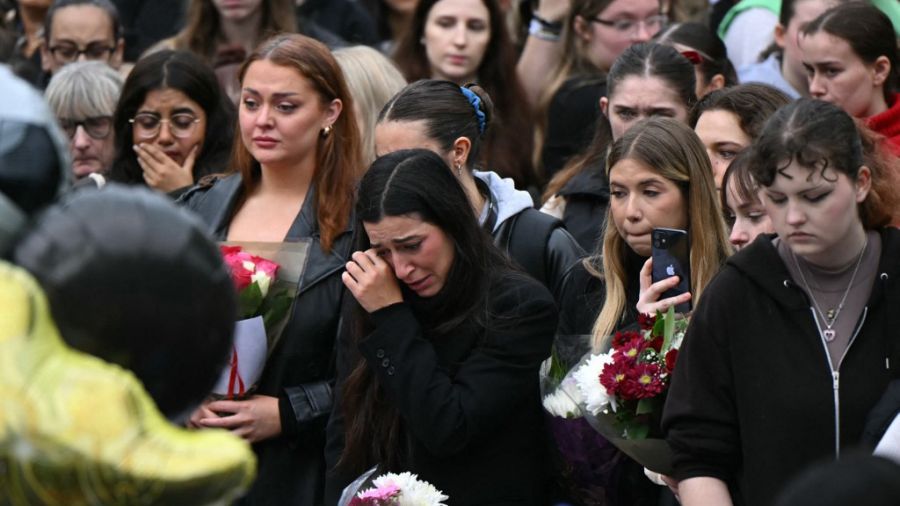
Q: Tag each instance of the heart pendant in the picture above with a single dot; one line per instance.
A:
(829, 335)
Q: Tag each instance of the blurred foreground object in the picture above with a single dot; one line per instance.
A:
(34, 159)
(76, 430)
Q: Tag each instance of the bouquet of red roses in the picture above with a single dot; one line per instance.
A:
(622, 390)
(261, 310)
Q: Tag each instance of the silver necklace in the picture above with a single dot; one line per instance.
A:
(832, 315)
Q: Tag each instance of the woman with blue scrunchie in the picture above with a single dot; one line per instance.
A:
(452, 121)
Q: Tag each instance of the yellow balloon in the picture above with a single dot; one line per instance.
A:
(76, 430)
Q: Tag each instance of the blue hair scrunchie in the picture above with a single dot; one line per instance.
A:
(476, 103)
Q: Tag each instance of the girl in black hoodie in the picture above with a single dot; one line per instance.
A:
(792, 343)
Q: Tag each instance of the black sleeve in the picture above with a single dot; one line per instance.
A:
(446, 413)
(562, 251)
(700, 417)
(581, 297)
(882, 414)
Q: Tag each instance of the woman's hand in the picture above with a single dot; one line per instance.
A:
(160, 171)
(649, 302)
(372, 281)
(200, 413)
(255, 419)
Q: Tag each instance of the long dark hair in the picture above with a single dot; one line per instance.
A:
(509, 147)
(819, 136)
(868, 31)
(202, 30)
(187, 73)
(415, 182)
(752, 103)
(649, 59)
(447, 113)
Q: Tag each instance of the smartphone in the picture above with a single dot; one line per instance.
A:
(671, 253)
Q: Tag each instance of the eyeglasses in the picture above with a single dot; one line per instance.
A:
(627, 26)
(67, 52)
(147, 125)
(97, 127)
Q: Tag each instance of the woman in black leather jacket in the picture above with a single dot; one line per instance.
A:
(298, 161)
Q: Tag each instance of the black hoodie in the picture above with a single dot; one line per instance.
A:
(753, 397)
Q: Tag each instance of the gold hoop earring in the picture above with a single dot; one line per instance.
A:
(326, 131)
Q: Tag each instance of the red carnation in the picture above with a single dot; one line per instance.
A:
(671, 357)
(612, 376)
(642, 381)
(620, 338)
(656, 343)
(631, 350)
(646, 321)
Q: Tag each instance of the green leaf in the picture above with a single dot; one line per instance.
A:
(276, 308)
(668, 328)
(645, 407)
(249, 301)
(557, 371)
(658, 325)
(636, 431)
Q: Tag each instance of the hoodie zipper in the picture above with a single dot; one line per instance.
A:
(836, 374)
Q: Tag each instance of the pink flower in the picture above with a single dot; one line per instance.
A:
(267, 266)
(381, 496)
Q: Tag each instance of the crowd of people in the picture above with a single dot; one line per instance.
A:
(477, 185)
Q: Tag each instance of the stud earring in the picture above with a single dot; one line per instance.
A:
(326, 131)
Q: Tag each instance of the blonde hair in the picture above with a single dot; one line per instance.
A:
(673, 150)
(373, 79)
(82, 90)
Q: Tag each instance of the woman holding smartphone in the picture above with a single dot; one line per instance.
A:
(443, 351)
(659, 177)
(792, 343)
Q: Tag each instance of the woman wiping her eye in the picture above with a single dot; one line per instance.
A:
(438, 369)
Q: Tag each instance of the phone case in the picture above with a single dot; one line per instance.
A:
(671, 257)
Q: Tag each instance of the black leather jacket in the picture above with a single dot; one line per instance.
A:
(300, 370)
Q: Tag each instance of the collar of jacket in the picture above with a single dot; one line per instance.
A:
(589, 182)
(761, 265)
(218, 204)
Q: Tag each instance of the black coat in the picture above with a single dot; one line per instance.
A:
(571, 120)
(300, 370)
(469, 400)
(587, 198)
(752, 400)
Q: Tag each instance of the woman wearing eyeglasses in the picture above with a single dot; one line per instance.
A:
(592, 36)
(83, 97)
(174, 124)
